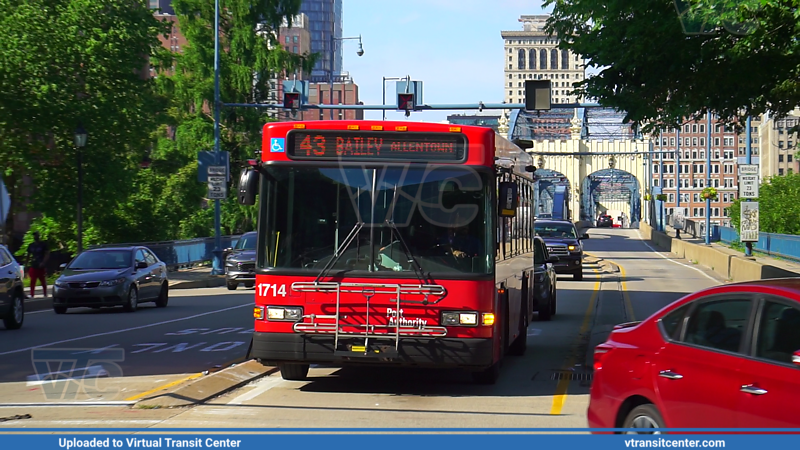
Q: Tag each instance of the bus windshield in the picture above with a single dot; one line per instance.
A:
(396, 217)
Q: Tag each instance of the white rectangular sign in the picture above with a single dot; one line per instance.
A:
(217, 192)
(216, 180)
(748, 229)
(216, 170)
(748, 186)
(748, 169)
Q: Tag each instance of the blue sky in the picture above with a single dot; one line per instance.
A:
(453, 46)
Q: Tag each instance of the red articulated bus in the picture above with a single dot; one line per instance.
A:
(380, 243)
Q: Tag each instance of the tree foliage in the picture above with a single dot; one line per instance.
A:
(779, 210)
(250, 56)
(661, 61)
(68, 61)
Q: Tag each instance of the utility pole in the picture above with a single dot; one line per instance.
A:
(217, 268)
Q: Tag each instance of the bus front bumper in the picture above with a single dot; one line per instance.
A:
(274, 348)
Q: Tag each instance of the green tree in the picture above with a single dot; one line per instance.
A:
(664, 60)
(64, 62)
(250, 55)
(778, 208)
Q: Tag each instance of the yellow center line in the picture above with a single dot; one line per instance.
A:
(625, 295)
(166, 386)
(560, 396)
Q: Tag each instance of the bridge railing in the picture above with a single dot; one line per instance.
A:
(182, 253)
(773, 244)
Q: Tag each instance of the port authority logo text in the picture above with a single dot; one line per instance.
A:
(72, 443)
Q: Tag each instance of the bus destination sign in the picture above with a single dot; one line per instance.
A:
(372, 145)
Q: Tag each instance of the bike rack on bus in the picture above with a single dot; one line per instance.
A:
(330, 324)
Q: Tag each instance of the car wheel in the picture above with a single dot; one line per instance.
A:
(645, 418)
(133, 300)
(578, 276)
(163, 296)
(232, 286)
(13, 321)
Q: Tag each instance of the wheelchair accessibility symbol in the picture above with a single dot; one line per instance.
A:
(276, 145)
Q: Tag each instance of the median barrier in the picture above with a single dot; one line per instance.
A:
(727, 263)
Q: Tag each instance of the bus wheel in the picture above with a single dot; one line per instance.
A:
(487, 376)
(293, 372)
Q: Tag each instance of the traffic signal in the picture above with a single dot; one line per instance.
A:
(291, 100)
(405, 102)
(537, 95)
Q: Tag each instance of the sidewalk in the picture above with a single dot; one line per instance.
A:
(787, 265)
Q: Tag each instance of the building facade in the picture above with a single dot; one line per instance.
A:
(777, 145)
(531, 54)
(325, 21)
(679, 167)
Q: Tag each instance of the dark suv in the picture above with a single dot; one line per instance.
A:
(544, 280)
(562, 240)
(240, 262)
(12, 294)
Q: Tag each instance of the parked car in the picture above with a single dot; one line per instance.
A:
(562, 240)
(240, 262)
(724, 357)
(605, 221)
(112, 276)
(12, 292)
(544, 280)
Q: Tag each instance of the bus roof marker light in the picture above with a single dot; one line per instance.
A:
(353, 127)
(300, 126)
(401, 128)
(377, 128)
(455, 129)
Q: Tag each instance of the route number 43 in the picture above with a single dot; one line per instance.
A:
(273, 289)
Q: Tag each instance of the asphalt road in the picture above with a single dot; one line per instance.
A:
(199, 329)
(547, 387)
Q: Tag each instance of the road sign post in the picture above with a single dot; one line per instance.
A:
(748, 191)
(217, 183)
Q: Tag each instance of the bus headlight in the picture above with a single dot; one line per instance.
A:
(288, 313)
(456, 318)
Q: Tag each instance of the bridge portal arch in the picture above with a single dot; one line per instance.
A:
(552, 194)
(615, 192)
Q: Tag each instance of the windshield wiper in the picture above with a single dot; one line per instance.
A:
(413, 260)
(339, 251)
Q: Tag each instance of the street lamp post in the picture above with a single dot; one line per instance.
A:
(216, 268)
(80, 142)
(385, 79)
(360, 52)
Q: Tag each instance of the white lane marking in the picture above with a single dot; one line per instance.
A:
(641, 239)
(49, 404)
(249, 304)
(263, 386)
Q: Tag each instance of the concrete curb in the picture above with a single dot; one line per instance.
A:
(205, 282)
(203, 389)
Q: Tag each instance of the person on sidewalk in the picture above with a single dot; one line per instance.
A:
(37, 257)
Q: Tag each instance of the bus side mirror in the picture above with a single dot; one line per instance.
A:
(248, 186)
(507, 199)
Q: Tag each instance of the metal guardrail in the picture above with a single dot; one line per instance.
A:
(183, 253)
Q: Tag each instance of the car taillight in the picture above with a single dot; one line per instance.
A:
(600, 353)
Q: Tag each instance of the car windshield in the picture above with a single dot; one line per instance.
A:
(102, 259)
(556, 230)
(436, 216)
(246, 242)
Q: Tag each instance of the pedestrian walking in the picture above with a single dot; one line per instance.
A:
(37, 257)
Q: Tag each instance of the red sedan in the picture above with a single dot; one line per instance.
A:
(724, 357)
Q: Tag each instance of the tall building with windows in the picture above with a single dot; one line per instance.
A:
(777, 145)
(531, 54)
(682, 154)
(325, 19)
